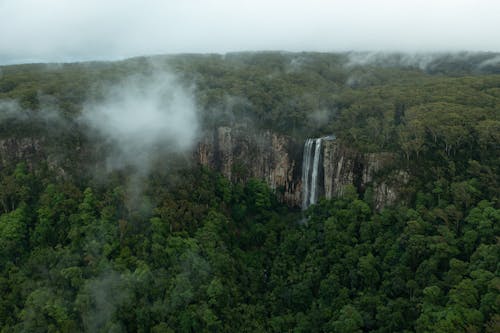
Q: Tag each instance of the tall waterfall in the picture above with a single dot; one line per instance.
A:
(310, 171)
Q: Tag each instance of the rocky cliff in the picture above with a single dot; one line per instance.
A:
(38, 151)
(14, 150)
(240, 154)
(345, 166)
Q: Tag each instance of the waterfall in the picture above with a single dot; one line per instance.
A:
(306, 157)
(314, 176)
(310, 171)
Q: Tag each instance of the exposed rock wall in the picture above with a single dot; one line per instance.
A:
(14, 150)
(241, 154)
(386, 190)
(37, 151)
(341, 167)
(345, 166)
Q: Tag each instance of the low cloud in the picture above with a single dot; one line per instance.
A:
(46, 113)
(10, 109)
(493, 61)
(319, 117)
(423, 61)
(99, 300)
(141, 118)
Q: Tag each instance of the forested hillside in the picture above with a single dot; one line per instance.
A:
(156, 243)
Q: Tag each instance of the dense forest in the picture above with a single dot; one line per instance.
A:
(190, 251)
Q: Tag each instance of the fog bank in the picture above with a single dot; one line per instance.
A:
(141, 118)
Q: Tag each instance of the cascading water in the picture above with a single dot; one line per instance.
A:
(310, 171)
(306, 164)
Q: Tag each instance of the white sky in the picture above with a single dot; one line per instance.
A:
(69, 30)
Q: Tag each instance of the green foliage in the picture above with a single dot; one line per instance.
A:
(196, 253)
(13, 234)
(348, 269)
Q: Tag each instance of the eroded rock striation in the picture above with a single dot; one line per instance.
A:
(240, 154)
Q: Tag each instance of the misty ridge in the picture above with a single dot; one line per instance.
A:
(431, 62)
(155, 75)
(144, 107)
(145, 110)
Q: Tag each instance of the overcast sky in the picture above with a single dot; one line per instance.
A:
(69, 30)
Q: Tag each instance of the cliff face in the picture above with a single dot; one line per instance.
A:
(344, 166)
(241, 154)
(37, 151)
(341, 167)
(14, 150)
